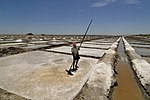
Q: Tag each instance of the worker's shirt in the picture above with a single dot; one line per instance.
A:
(74, 51)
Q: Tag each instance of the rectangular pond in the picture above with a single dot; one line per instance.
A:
(41, 75)
(96, 46)
(96, 53)
(142, 51)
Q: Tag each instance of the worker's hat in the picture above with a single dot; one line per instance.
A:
(74, 44)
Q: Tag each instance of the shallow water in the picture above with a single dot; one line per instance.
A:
(127, 87)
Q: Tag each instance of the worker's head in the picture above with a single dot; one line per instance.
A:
(74, 44)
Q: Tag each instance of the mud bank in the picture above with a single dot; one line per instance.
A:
(140, 67)
(101, 80)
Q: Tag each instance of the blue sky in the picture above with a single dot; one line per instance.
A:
(73, 16)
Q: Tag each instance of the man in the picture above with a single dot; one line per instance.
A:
(76, 56)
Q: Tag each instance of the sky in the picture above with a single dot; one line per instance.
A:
(73, 16)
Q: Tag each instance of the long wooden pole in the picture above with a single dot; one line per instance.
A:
(86, 32)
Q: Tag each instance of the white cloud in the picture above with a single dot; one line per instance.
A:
(132, 1)
(102, 3)
(81, 10)
(98, 4)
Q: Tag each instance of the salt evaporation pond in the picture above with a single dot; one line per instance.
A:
(140, 46)
(83, 51)
(13, 45)
(109, 40)
(39, 42)
(98, 43)
(139, 42)
(56, 43)
(41, 75)
(4, 42)
(142, 51)
(36, 46)
(95, 46)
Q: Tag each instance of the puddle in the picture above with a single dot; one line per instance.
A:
(127, 87)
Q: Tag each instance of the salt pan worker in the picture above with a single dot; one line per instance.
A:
(76, 57)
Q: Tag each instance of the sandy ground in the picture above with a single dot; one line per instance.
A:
(43, 73)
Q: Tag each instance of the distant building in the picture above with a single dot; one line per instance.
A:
(29, 37)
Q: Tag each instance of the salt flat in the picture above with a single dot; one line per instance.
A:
(41, 75)
(82, 51)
